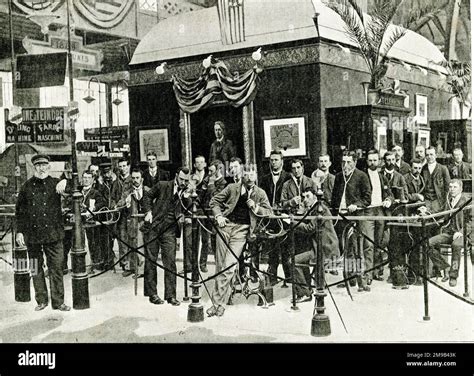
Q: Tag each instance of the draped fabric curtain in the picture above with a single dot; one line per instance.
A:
(215, 80)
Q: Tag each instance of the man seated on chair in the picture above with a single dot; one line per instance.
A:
(235, 209)
(329, 242)
(451, 233)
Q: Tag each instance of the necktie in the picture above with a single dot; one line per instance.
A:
(298, 182)
(177, 204)
(138, 194)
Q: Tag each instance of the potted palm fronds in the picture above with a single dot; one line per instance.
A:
(375, 36)
(459, 82)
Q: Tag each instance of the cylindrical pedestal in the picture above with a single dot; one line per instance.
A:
(21, 278)
(80, 292)
(195, 309)
(320, 326)
(80, 283)
(80, 278)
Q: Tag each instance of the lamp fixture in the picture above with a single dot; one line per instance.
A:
(257, 55)
(160, 69)
(43, 19)
(15, 114)
(206, 63)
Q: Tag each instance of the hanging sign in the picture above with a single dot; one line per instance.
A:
(82, 57)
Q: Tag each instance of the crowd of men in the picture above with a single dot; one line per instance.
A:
(155, 209)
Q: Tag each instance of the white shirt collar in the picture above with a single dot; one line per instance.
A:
(431, 167)
(453, 201)
(278, 172)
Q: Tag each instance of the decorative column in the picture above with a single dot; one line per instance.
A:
(185, 126)
(248, 133)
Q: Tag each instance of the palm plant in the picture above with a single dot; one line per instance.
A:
(458, 81)
(374, 34)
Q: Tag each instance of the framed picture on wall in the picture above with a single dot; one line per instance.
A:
(424, 137)
(381, 144)
(285, 134)
(156, 140)
(421, 109)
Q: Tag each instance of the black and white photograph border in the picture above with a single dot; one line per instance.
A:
(179, 70)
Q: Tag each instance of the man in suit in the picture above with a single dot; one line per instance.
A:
(236, 167)
(400, 165)
(294, 187)
(381, 200)
(40, 227)
(459, 169)
(451, 233)
(222, 148)
(414, 182)
(216, 181)
(323, 178)
(122, 183)
(105, 187)
(162, 205)
(153, 174)
(395, 181)
(352, 189)
(352, 193)
(272, 184)
(436, 177)
(420, 153)
(132, 199)
(92, 200)
(215, 185)
(235, 210)
(199, 181)
(329, 244)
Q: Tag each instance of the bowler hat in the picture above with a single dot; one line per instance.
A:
(39, 158)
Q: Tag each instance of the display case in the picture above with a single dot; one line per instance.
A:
(366, 127)
(449, 134)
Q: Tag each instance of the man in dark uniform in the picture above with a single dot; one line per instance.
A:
(40, 227)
